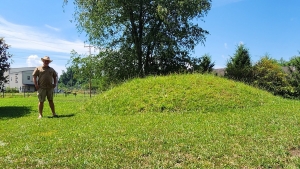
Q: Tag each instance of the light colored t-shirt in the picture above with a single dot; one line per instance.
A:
(45, 76)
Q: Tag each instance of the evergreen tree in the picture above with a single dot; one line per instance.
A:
(202, 64)
(239, 66)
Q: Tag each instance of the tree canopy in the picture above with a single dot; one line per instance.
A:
(4, 62)
(85, 68)
(67, 78)
(239, 66)
(153, 36)
(203, 64)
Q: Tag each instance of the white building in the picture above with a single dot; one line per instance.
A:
(20, 79)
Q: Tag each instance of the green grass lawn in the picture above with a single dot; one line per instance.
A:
(177, 121)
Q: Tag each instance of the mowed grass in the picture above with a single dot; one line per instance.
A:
(177, 121)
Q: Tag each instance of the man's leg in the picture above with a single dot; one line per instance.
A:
(52, 107)
(50, 100)
(41, 107)
(41, 96)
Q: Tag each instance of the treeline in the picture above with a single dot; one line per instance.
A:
(103, 72)
(145, 38)
(279, 77)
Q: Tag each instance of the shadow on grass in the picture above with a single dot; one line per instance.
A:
(13, 112)
(62, 116)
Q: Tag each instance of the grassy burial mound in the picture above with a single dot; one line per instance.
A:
(178, 93)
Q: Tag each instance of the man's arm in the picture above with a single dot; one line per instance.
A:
(54, 81)
(35, 82)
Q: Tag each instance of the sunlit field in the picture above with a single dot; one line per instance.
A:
(177, 121)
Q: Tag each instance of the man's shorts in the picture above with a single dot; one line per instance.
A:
(42, 93)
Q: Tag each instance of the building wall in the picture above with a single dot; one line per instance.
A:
(14, 80)
(27, 77)
(18, 79)
(27, 81)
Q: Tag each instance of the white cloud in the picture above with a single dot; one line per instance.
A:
(241, 43)
(30, 38)
(33, 61)
(53, 28)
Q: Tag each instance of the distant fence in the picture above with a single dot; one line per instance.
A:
(61, 94)
(84, 93)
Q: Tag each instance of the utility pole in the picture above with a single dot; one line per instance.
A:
(90, 80)
(90, 47)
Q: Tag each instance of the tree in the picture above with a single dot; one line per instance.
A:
(67, 78)
(114, 67)
(85, 67)
(155, 36)
(294, 75)
(239, 66)
(282, 62)
(203, 64)
(294, 61)
(4, 62)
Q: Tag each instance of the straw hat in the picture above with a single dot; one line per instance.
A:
(46, 58)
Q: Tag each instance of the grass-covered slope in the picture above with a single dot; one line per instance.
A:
(178, 93)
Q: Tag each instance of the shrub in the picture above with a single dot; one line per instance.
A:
(269, 75)
(11, 90)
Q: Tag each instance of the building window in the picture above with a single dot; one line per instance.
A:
(28, 77)
(16, 77)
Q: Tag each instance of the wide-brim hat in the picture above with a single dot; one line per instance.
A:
(46, 58)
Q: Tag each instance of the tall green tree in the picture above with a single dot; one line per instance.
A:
(85, 67)
(67, 78)
(239, 65)
(4, 62)
(156, 36)
(116, 68)
(294, 61)
(203, 64)
(294, 74)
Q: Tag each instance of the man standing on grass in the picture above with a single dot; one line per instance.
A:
(45, 79)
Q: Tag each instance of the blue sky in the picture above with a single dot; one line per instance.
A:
(36, 28)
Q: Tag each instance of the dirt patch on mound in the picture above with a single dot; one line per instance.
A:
(294, 152)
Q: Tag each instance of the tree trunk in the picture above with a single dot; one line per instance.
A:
(137, 36)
